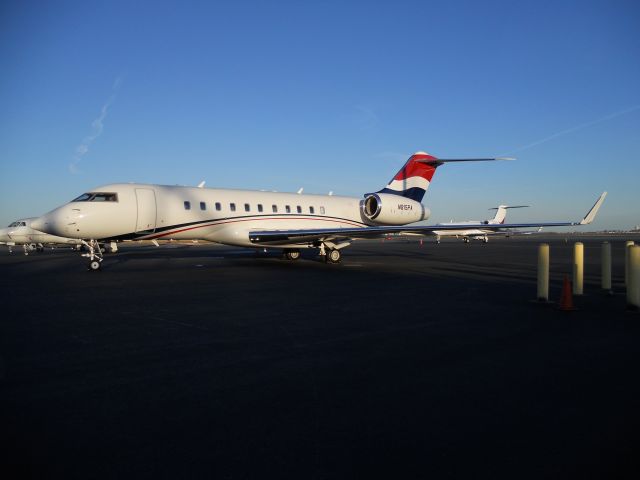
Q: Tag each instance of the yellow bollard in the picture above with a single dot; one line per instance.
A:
(543, 272)
(606, 266)
(629, 243)
(578, 268)
(633, 288)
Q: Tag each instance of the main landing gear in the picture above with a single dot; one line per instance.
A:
(333, 256)
(30, 247)
(482, 238)
(331, 252)
(94, 255)
(291, 254)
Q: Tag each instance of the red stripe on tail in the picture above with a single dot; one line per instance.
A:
(416, 169)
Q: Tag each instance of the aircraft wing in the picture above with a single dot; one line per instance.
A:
(284, 237)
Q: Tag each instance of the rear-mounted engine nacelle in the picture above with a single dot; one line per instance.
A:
(389, 209)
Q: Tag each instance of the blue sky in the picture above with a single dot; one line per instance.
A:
(325, 96)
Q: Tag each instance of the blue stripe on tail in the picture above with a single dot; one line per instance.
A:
(415, 193)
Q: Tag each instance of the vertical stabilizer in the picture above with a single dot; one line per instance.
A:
(501, 213)
(413, 179)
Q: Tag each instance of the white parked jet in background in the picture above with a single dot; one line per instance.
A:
(21, 233)
(482, 234)
(247, 218)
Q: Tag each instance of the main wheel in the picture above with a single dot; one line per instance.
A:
(94, 265)
(334, 256)
(292, 254)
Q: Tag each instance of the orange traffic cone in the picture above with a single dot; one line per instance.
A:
(566, 298)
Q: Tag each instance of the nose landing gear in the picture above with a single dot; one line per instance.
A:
(94, 255)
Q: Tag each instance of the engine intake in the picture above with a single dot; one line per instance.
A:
(389, 209)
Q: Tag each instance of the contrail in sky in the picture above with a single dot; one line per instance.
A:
(575, 129)
(96, 127)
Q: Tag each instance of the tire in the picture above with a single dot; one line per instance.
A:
(94, 265)
(334, 256)
(293, 255)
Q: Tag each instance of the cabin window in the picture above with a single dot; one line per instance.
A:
(247, 208)
(218, 206)
(299, 209)
(321, 210)
(311, 210)
(232, 206)
(203, 206)
(287, 208)
(274, 208)
(187, 205)
(260, 207)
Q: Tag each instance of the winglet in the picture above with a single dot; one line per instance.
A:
(591, 215)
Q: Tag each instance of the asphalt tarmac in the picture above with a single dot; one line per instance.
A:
(404, 361)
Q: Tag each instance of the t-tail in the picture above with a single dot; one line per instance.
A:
(501, 212)
(414, 178)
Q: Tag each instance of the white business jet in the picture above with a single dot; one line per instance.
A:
(481, 234)
(21, 233)
(262, 219)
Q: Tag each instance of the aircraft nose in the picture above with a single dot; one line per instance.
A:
(54, 223)
(39, 223)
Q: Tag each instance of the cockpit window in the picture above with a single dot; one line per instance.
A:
(18, 224)
(82, 198)
(104, 197)
(97, 197)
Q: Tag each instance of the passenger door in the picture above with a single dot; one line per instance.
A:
(146, 220)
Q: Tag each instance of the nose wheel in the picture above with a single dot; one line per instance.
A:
(94, 254)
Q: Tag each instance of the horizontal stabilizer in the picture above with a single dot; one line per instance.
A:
(440, 161)
(509, 206)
